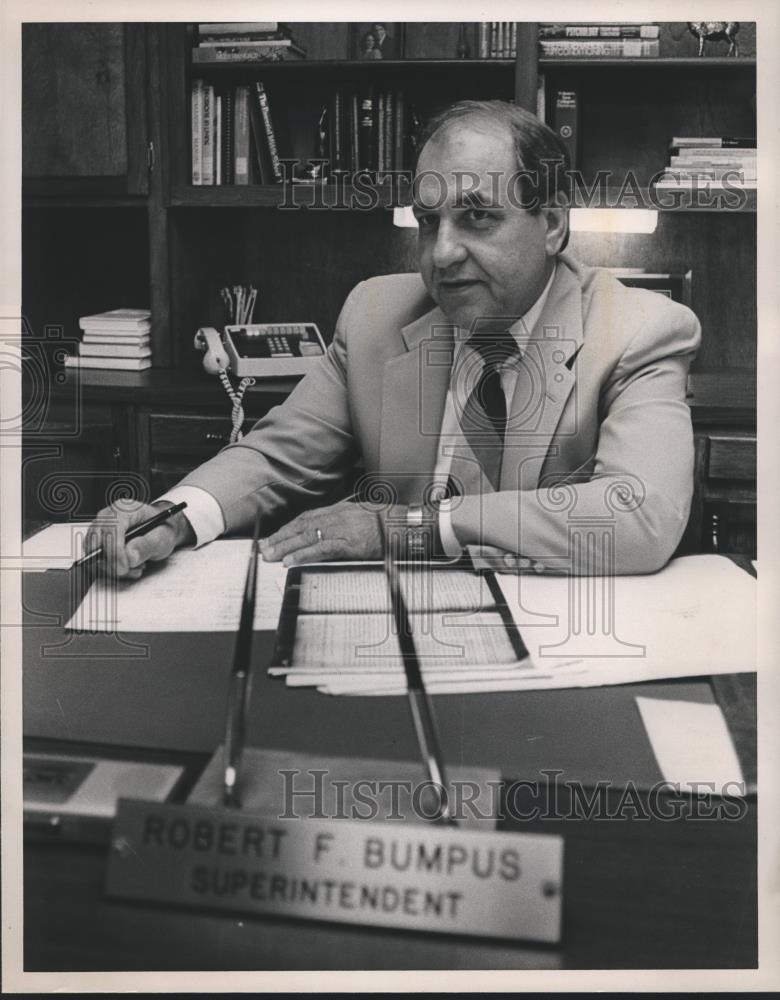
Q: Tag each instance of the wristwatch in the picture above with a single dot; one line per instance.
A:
(416, 530)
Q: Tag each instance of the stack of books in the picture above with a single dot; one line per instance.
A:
(497, 40)
(118, 339)
(710, 162)
(599, 41)
(245, 41)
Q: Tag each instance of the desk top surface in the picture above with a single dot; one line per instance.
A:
(169, 691)
(637, 894)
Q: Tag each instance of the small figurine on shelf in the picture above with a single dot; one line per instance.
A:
(313, 170)
(716, 31)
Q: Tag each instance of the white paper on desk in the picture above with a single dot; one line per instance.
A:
(57, 546)
(194, 590)
(692, 745)
(695, 617)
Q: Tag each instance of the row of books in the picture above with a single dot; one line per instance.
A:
(367, 131)
(711, 161)
(248, 41)
(234, 140)
(233, 135)
(497, 40)
(605, 40)
(118, 340)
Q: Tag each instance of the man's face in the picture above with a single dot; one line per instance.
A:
(480, 254)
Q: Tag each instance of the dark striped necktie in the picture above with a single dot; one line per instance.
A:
(483, 416)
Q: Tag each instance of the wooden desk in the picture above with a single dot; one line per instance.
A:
(638, 893)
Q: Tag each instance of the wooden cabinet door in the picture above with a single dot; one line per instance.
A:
(84, 124)
(73, 468)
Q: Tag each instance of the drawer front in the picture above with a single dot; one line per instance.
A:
(732, 457)
(178, 434)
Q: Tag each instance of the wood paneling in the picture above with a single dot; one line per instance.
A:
(75, 263)
(73, 115)
(732, 457)
(304, 263)
(720, 250)
(322, 39)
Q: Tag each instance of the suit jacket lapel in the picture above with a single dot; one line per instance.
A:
(414, 392)
(545, 382)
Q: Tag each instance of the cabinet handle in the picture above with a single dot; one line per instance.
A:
(714, 530)
(221, 438)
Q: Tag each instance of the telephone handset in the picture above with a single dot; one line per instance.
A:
(261, 349)
(215, 359)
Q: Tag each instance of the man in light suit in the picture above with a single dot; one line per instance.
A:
(507, 396)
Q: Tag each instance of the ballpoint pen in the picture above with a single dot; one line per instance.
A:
(135, 532)
(238, 696)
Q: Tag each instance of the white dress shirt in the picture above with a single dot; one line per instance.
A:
(205, 515)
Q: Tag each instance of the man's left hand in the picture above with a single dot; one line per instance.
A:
(343, 531)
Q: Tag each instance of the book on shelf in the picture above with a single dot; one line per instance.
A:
(269, 134)
(711, 184)
(483, 40)
(248, 42)
(87, 350)
(241, 135)
(233, 43)
(600, 48)
(117, 319)
(255, 53)
(207, 137)
(497, 39)
(541, 97)
(713, 142)
(197, 131)
(566, 122)
(115, 364)
(128, 340)
(221, 28)
(714, 154)
(711, 160)
(599, 30)
(734, 175)
(227, 136)
(218, 139)
(337, 143)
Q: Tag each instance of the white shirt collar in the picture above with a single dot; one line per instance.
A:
(521, 330)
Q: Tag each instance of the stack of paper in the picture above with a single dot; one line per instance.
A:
(694, 618)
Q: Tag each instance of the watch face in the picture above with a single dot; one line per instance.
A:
(416, 540)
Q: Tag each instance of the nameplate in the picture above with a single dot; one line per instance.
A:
(416, 877)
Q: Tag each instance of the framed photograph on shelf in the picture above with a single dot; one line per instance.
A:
(676, 286)
(377, 40)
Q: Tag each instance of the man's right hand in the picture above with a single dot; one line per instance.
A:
(128, 559)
